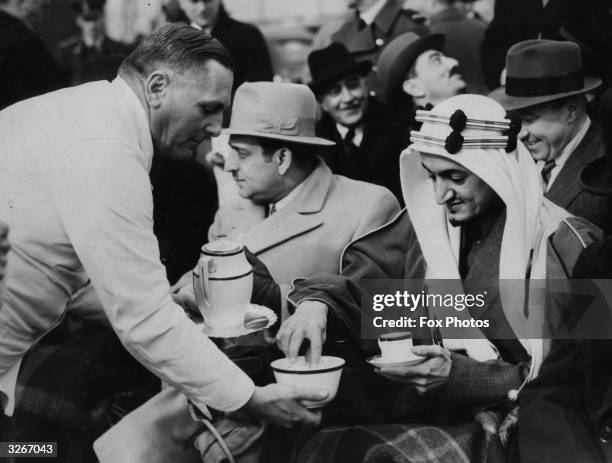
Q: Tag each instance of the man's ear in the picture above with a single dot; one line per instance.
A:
(573, 111)
(156, 86)
(413, 88)
(283, 158)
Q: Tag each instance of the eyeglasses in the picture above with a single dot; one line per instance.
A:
(350, 83)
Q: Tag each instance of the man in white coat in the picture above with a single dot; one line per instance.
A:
(75, 190)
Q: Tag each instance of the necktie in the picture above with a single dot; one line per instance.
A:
(361, 24)
(547, 169)
(271, 209)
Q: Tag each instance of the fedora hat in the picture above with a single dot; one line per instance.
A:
(538, 71)
(399, 56)
(596, 177)
(331, 64)
(279, 111)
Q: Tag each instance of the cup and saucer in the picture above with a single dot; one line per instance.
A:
(396, 351)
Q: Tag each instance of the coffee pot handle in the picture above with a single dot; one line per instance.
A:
(201, 282)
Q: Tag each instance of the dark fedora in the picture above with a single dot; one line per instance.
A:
(331, 64)
(538, 71)
(596, 177)
(88, 9)
(399, 56)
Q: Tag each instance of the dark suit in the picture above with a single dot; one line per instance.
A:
(565, 190)
(27, 68)
(80, 62)
(247, 47)
(518, 20)
(371, 161)
(366, 43)
(566, 413)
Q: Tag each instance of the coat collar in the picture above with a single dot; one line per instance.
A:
(386, 18)
(223, 22)
(297, 217)
(565, 188)
(449, 14)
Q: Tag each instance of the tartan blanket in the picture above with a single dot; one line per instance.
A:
(72, 386)
(475, 441)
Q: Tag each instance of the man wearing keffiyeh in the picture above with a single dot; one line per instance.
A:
(484, 218)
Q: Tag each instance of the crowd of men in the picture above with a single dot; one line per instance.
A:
(428, 145)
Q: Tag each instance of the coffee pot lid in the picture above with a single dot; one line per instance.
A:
(222, 247)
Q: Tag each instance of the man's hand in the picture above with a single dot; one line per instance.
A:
(280, 404)
(187, 302)
(426, 376)
(308, 322)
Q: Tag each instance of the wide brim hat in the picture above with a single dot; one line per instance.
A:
(331, 64)
(596, 177)
(539, 71)
(279, 111)
(399, 56)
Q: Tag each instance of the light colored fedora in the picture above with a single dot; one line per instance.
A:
(279, 111)
(538, 71)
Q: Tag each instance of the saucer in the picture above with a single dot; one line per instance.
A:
(256, 318)
(379, 362)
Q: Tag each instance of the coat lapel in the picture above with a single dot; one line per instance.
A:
(565, 188)
(296, 218)
(385, 19)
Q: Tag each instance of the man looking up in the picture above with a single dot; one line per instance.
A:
(76, 192)
(416, 67)
(546, 88)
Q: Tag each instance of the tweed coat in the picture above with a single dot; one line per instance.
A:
(565, 190)
(366, 43)
(393, 251)
(307, 237)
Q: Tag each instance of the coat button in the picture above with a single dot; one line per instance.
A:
(374, 68)
(605, 434)
(380, 42)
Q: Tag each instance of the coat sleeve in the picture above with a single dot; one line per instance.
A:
(553, 426)
(380, 254)
(102, 193)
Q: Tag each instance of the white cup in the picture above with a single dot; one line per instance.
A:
(325, 375)
(396, 347)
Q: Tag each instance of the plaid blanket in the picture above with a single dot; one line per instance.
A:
(475, 441)
(72, 387)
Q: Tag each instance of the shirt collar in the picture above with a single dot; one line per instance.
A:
(139, 116)
(370, 14)
(289, 197)
(574, 142)
(208, 30)
(357, 138)
(567, 151)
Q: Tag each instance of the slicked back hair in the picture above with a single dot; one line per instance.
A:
(177, 46)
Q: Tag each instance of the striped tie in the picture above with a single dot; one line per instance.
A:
(547, 169)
